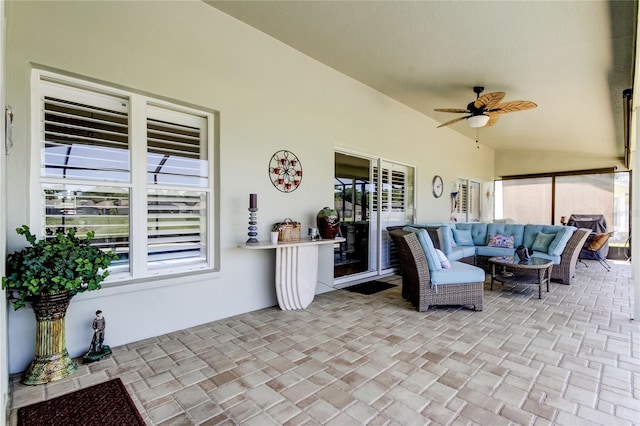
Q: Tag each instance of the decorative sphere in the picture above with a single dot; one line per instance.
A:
(328, 222)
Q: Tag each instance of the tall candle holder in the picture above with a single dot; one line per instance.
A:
(253, 228)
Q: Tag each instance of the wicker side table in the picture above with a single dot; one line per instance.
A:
(514, 271)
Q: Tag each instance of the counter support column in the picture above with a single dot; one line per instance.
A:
(296, 275)
(296, 270)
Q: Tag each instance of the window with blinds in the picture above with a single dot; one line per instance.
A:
(467, 202)
(93, 141)
(85, 138)
(176, 160)
(393, 193)
(462, 200)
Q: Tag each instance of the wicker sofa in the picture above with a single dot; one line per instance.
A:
(417, 285)
(563, 250)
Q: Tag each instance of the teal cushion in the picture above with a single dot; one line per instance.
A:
(563, 236)
(494, 251)
(463, 237)
(507, 229)
(530, 234)
(555, 259)
(458, 253)
(459, 273)
(433, 262)
(447, 238)
(557, 246)
(542, 242)
(478, 232)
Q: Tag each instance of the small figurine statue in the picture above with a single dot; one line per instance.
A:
(97, 350)
(98, 333)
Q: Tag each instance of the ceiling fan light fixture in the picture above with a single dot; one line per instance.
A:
(479, 120)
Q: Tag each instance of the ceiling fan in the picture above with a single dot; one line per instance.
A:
(486, 109)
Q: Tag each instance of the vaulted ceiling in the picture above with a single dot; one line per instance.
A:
(572, 58)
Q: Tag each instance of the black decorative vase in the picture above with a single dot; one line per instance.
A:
(523, 253)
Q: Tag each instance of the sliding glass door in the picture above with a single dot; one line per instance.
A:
(370, 194)
(352, 195)
(394, 204)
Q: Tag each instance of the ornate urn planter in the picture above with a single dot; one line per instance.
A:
(47, 274)
(52, 361)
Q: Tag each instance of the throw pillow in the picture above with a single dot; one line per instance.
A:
(559, 243)
(427, 246)
(463, 237)
(447, 239)
(444, 262)
(597, 241)
(542, 241)
(506, 241)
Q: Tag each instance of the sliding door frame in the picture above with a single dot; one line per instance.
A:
(377, 162)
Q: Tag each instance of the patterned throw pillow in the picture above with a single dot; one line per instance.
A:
(444, 262)
(505, 241)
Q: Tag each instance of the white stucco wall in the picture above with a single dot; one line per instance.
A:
(269, 96)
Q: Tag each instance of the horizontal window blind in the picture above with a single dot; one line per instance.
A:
(462, 200)
(176, 149)
(398, 191)
(176, 226)
(84, 141)
(393, 194)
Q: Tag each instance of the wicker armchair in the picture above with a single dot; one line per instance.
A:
(565, 271)
(416, 282)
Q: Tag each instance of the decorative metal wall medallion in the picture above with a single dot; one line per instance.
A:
(285, 171)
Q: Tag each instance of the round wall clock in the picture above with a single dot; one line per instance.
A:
(285, 171)
(437, 186)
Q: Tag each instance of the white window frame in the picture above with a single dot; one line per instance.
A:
(138, 187)
(467, 201)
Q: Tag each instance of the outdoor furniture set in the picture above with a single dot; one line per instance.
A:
(476, 242)
(438, 261)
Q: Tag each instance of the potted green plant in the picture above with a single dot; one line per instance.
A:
(47, 274)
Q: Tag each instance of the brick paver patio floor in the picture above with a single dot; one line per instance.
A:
(571, 358)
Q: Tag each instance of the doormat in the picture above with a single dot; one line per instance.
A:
(104, 404)
(369, 287)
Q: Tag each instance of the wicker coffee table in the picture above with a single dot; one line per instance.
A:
(514, 271)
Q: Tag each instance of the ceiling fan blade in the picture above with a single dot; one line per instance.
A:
(513, 106)
(489, 100)
(493, 118)
(456, 110)
(455, 120)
